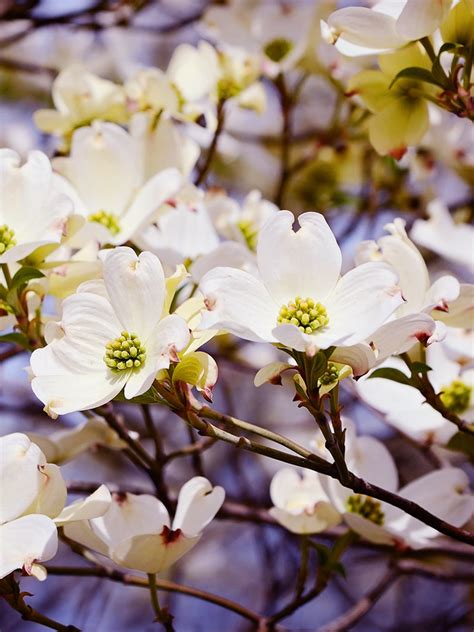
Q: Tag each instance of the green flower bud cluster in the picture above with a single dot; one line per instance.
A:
(249, 232)
(7, 239)
(456, 397)
(125, 352)
(109, 220)
(330, 375)
(366, 507)
(278, 49)
(306, 314)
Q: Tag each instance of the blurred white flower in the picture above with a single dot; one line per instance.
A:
(240, 223)
(137, 533)
(111, 337)
(300, 503)
(300, 299)
(68, 443)
(454, 242)
(386, 26)
(35, 214)
(107, 172)
(443, 492)
(32, 506)
(80, 97)
(405, 407)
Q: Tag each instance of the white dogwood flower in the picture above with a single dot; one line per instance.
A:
(137, 532)
(35, 214)
(405, 407)
(80, 97)
(300, 299)
(443, 492)
(32, 506)
(107, 171)
(300, 503)
(111, 337)
(439, 233)
(386, 26)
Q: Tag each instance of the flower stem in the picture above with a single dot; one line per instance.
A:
(303, 569)
(162, 615)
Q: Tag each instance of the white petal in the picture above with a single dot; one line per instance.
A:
(370, 459)
(368, 529)
(103, 167)
(20, 477)
(81, 532)
(130, 515)
(136, 287)
(198, 503)
(444, 291)
(149, 198)
(323, 516)
(91, 507)
(238, 302)
(305, 263)
(399, 335)
(365, 27)
(359, 357)
(420, 18)
(151, 553)
(53, 493)
(66, 393)
(26, 540)
(362, 301)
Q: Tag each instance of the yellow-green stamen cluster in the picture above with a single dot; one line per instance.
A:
(125, 352)
(109, 220)
(456, 397)
(306, 314)
(366, 507)
(249, 232)
(277, 49)
(7, 239)
(330, 375)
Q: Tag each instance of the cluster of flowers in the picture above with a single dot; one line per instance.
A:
(145, 267)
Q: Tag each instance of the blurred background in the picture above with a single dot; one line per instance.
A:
(338, 174)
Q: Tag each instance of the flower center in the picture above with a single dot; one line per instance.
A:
(306, 314)
(249, 232)
(125, 352)
(7, 239)
(277, 49)
(109, 220)
(331, 374)
(456, 397)
(366, 507)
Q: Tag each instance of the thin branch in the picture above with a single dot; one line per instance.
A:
(206, 165)
(362, 607)
(161, 584)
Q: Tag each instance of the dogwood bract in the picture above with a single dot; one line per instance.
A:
(111, 337)
(300, 299)
(300, 503)
(32, 506)
(34, 211)
(136, 531)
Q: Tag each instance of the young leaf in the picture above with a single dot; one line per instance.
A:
(16, 338)
(24, 275)
(391, 374)
(420, 74)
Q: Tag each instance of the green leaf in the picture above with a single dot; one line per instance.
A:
(462, 442)
(420, 367)
(24, 275)
(391, 374)
(17, 339)
(150, 397)
(447, 47)
(420, 74)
